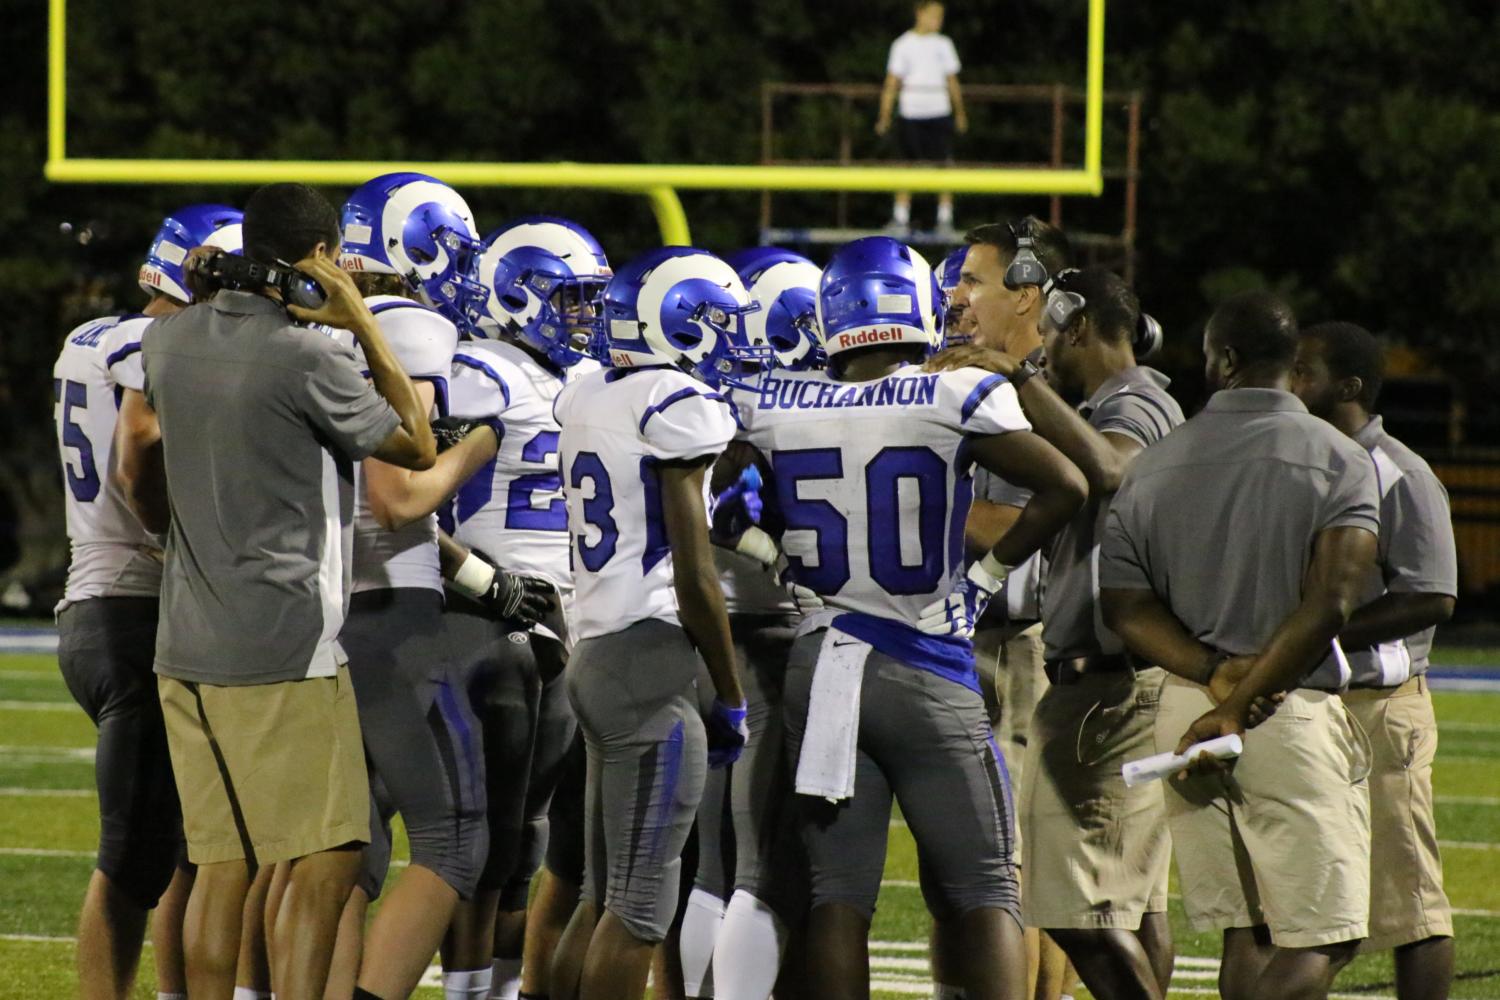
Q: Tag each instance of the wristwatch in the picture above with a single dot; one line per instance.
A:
(1023, 373)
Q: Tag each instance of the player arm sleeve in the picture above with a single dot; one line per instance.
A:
(341, 405)
(687, 423)
(1420, 557)
(124, 357)
(973, 401)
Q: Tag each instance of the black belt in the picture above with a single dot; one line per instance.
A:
(1073, 669)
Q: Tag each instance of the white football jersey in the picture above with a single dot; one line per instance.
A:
(873, 479)
(423, 342)
(112, 554)
(513, 509)
(615, 425)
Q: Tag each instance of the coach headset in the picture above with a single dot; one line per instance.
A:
(1026, 268)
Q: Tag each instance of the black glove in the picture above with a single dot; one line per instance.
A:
(524, 600)
(449, 431)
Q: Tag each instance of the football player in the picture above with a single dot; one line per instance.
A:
(871, 466)
(544, 277)
(734, 951)
(107, 628)
(410, 241)
(636, 441)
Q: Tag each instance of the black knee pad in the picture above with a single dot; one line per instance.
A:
(140, 863)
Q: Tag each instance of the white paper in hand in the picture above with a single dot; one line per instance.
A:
(1138, 772)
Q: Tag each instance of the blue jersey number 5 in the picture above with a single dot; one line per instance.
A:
(83, 482)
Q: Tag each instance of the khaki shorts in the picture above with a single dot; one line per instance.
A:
(1011, 678)
(267, 772)
(1407, 902)
(1100, 851)
(1284, 840)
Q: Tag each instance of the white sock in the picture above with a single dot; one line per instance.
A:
(700, 930)
(901, 212)
(240, 993)
(942, 991)
(505, 979)
(749, 953)
(945, 213)
(473, 984)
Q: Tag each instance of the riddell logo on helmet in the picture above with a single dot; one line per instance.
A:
(151, 277)
(621, 359)
(351, 263)
(870, 335)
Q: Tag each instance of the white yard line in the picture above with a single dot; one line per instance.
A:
(39, 706)
(1466, 800)
(43, 852)
(1468, 845)
(35, 754)
(60, 793)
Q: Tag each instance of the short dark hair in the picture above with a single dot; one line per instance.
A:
(1049, 242)
(1260, 327)
(1352, 352)
(1108, 302)
(285, 222)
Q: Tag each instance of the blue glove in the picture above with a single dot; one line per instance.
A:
(739, 507)
(727, 733)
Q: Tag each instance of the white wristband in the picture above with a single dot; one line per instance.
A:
(474, 577)
(997, 570)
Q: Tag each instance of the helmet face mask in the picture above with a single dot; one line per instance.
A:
(545, 279)
(417, 227)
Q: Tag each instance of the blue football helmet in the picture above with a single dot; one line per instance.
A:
(420, 228)
(682, 307)
(545, 276)
(876, 291)
(785, 286)
(950, 272)
(184, 229)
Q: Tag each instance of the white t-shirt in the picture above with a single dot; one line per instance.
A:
(923, 64)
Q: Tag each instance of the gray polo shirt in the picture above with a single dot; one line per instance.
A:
(1219, 517)
(1417, 552)
(1136, 405)
(261, 423)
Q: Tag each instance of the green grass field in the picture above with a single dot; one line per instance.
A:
(48, 827)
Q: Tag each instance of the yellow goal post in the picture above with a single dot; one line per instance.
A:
(658, 182)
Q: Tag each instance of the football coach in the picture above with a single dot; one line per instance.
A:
(242, 449)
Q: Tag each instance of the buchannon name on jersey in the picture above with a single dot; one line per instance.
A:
(808, 394)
